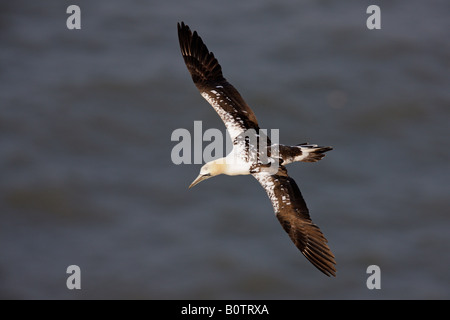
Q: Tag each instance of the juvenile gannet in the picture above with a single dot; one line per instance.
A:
(288, 203)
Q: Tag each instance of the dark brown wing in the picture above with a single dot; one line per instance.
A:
(293, 214)
(207, 76)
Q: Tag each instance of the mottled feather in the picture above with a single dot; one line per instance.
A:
(293, 214)
(207, 75)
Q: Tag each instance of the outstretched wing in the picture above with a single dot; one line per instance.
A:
(292, 212)
(207, 76)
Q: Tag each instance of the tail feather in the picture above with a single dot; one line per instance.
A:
(312, 153)
(303, 152)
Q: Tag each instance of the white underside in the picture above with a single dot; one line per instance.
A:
(235, 165)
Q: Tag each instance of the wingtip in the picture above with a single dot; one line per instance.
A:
(182, 26)
(320, 255)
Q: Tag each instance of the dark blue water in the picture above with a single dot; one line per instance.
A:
(86, 175)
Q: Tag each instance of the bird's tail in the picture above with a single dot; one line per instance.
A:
(303, 152)
(312, 152)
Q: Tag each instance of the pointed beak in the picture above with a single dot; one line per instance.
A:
(199, 179)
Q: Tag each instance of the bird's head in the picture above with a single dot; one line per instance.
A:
(209, 170)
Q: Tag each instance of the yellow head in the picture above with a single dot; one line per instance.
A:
(211, 169)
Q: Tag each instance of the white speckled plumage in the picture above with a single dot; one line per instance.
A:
(245, 158)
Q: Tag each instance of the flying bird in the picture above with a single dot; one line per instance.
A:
(249, 158)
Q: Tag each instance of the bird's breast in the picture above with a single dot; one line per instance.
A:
(236, 164)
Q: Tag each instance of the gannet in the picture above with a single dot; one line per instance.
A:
(287, 201)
